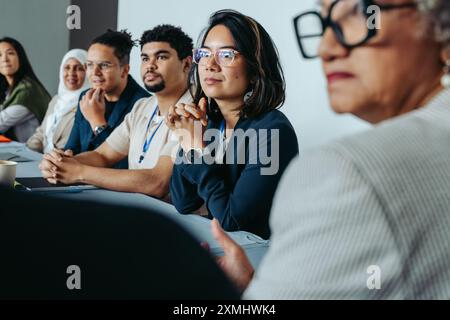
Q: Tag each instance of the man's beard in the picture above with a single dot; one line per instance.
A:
(156, 87)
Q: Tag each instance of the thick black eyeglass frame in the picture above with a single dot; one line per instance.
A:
(327, 22)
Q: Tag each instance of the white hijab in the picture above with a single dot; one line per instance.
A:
(66, 99)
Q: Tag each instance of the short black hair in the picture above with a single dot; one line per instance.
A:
(177, 39)
(120, 41)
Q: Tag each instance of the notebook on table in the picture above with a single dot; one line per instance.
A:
(13, 157)
(39, 184)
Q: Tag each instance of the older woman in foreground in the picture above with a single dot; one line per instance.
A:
(367, 216)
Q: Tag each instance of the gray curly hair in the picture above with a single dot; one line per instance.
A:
(437, 12)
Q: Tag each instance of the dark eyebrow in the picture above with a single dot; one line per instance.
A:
(9, 49)
(162, 51)
(103, 61)
(145, 55)
(224, 47)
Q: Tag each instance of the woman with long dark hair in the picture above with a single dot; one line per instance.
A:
(239, 86)
(23, 98)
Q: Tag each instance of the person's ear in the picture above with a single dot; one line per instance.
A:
(445, 57)
(445, 54)
(252, 83)
(187, 64)
(126, 70)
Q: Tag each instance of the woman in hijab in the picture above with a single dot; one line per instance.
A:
(57, 124)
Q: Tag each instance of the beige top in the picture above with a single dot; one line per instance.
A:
(38, 140)
(130, 136)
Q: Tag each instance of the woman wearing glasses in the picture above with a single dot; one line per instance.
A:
(238, 85)
(367, 216)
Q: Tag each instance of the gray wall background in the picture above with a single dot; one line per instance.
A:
(40, 26)
(97, 16)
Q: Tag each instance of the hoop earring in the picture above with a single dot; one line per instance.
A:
(247, 96)
(445, 80)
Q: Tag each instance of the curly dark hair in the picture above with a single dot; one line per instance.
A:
(264, 70)
(177, 39)
(120, 41)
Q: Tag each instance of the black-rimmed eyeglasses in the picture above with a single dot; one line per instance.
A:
(354, 22)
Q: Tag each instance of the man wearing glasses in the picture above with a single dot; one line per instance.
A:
(143, 136)
(112, 96)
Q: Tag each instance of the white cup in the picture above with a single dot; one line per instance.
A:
(7, 173)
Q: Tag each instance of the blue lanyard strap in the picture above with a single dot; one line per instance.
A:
(222, 129)
(222, 135)
(148, 140)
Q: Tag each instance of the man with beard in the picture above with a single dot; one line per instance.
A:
(166, 58)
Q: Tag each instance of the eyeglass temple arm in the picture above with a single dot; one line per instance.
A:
(396, 6)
